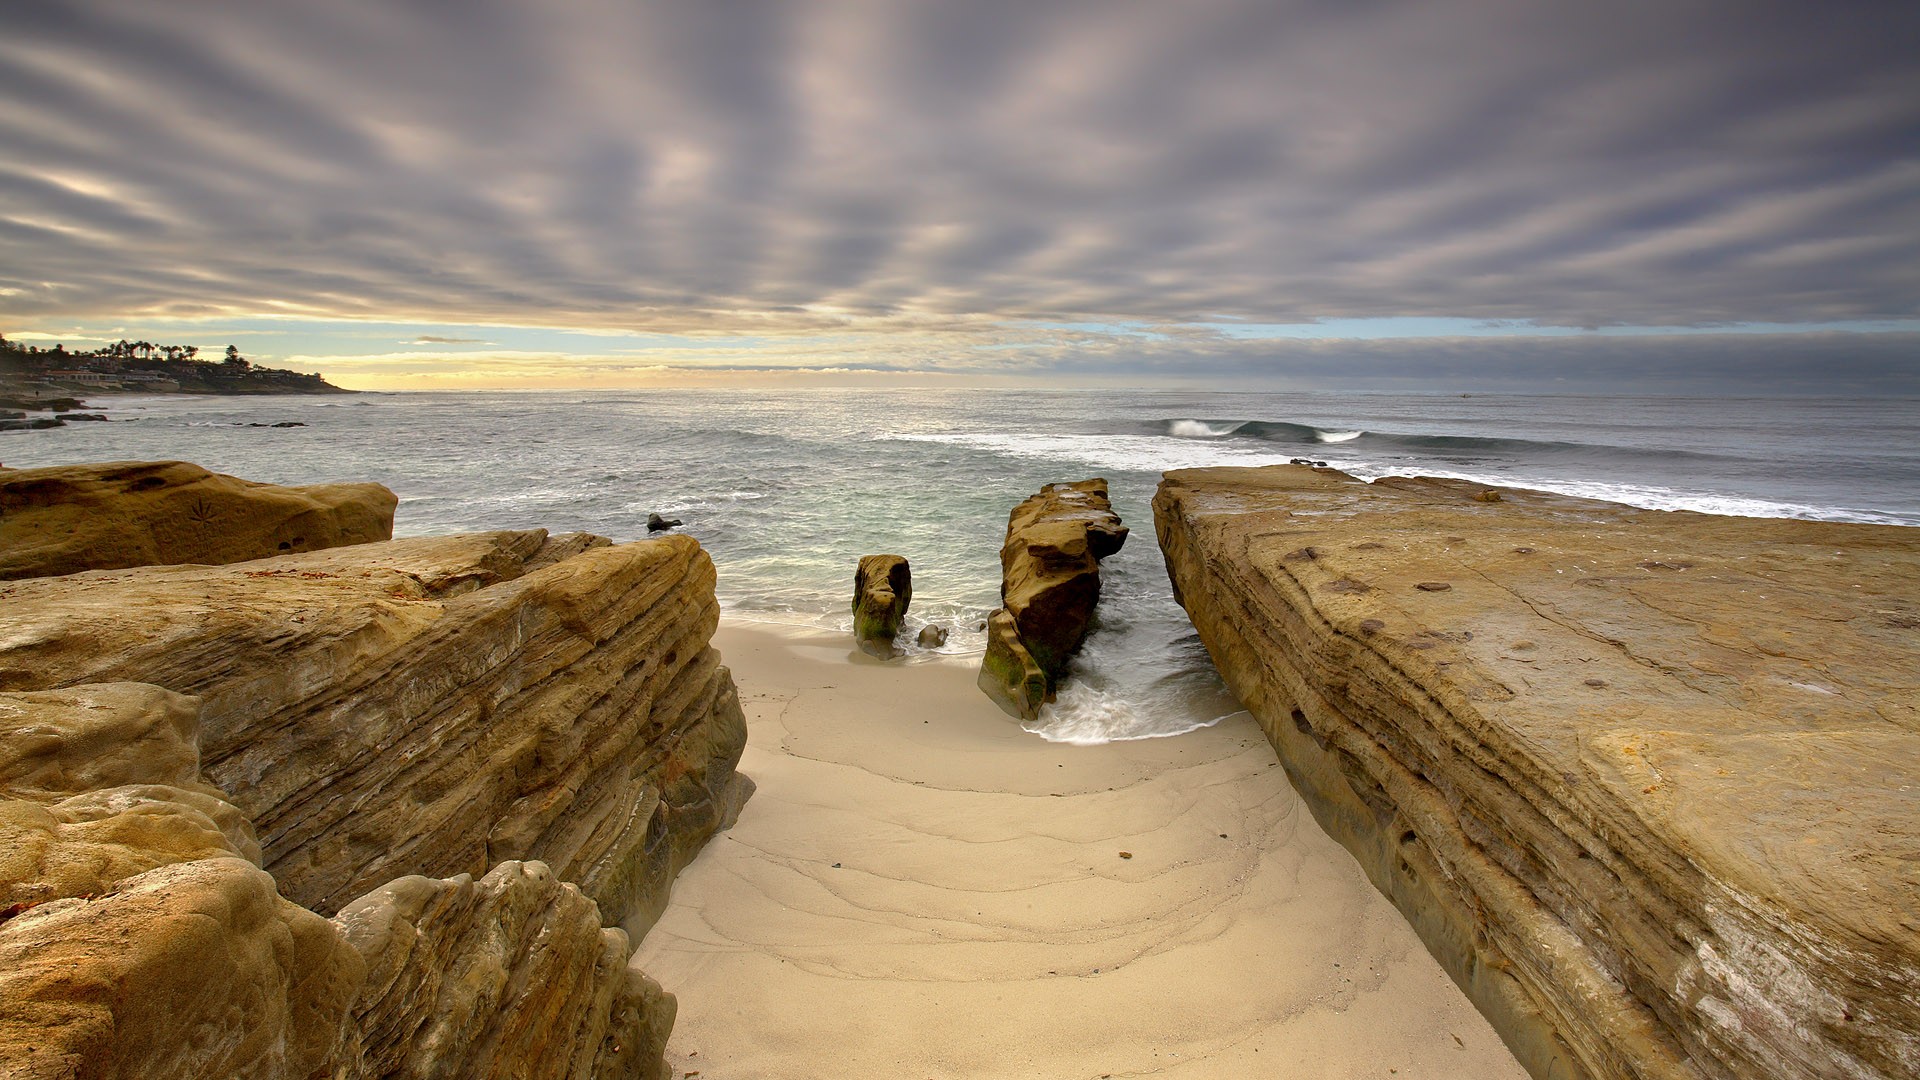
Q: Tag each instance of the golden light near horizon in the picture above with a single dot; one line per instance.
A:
(1013, 172)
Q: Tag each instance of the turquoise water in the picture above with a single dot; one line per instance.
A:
(787, 489)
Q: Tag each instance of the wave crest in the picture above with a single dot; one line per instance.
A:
(1201, 429)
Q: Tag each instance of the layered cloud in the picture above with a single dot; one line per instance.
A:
(959, 168)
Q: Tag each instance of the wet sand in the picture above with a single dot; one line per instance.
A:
(922, 889)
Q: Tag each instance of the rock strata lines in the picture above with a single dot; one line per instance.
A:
(1050, 581)
(69, 518)
(353, 719)
(429, 706)
(1642, 781)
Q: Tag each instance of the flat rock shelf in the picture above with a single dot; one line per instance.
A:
(1647, 783)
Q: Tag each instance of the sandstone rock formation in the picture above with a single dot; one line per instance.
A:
(429, 706)
(882, 588)
(137, 936)
(191, 969)
(512, 975)
(1643, 781)
(1050, 581)
(137, 939)
(443, 705)
(70, 518)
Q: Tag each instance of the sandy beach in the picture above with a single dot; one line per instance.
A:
(922, 889)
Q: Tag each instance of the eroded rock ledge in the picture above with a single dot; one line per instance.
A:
(1644, 782)
(429, 706)
(483, 752)
(69, 518)
(1050, 581)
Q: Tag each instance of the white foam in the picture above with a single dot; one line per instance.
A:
(1337, 436)
(1085, 716)
(1646, 496)
(1133, 453)
(708, 503)
(1200, 429)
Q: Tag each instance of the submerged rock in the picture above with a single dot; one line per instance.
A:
(70, 518)
(1642, 781)
(1050, 581)
(656, 523)
(882, 588)
(932, 636)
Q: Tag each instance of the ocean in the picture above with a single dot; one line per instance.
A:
(788, 488)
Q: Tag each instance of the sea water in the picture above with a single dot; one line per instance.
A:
(788, 488)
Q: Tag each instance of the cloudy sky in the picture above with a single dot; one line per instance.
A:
(1455, 193)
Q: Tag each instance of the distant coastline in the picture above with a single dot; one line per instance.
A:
(33, 379)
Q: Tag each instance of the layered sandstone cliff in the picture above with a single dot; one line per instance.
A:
(429, 706)
(138, 936)
(69, 518)
(1050, 582)
(396, 731)
(511, 975)
(1644, 782)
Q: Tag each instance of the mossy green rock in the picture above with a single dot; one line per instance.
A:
(882, 588)
(1050, 582)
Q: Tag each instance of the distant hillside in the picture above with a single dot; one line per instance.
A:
(147, 368)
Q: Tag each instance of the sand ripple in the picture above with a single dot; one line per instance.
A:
(920, 889)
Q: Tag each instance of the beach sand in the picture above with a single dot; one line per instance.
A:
(922, 889)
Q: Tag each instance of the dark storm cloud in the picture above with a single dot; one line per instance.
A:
(598, 162)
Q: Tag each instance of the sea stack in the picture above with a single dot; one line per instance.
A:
(1643, 781)
(1049, 583)
(882, 588)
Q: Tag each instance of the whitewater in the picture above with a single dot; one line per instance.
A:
(788, 488)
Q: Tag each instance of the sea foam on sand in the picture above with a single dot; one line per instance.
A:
(920, 888)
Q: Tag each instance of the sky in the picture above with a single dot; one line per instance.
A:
(1684, 196)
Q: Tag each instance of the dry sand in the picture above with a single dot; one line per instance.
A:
(922, 889)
